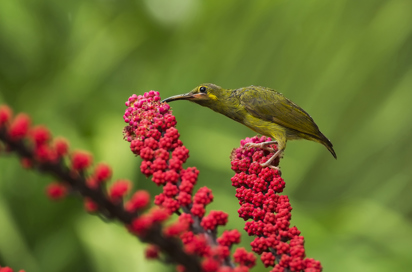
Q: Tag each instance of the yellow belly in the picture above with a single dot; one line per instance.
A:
(269, 129)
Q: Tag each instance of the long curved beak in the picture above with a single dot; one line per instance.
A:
(178, 97)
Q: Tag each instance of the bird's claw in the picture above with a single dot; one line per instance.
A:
(263, 145)
(268, 164)
(252, 145)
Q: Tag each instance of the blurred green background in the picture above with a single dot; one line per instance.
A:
(72, 64)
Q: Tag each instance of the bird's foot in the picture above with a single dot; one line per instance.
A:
(268, 163)
(270, 166)
(263, 145)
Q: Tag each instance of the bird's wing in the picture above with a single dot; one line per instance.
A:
(272, 106)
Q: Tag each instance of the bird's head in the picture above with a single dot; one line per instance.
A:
(205, 95)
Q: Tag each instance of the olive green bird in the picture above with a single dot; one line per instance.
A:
(263, 110)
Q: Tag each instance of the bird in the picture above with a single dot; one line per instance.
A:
(263, 110)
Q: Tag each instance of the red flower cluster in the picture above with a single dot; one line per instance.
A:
(152, 135)
(19, 128)
(38, 151)
(257, 189)
(44, 152)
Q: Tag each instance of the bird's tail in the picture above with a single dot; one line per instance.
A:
(325, 141)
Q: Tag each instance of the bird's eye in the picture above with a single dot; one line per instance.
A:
(202, 89)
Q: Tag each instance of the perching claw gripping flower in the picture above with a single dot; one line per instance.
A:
(257, 190)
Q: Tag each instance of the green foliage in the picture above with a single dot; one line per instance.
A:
(72, 65)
